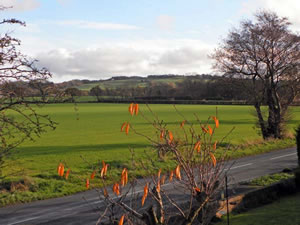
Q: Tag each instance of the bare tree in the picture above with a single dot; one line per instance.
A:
(187, 194)
(268, 54)
(19, 117)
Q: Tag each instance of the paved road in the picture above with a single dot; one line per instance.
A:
(83, 208)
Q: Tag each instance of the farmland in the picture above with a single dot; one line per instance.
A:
(133, 82)
(89, 133)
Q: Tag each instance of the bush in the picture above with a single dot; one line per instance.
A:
(297, 178)
(298, 143)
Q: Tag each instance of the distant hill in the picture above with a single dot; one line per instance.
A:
(134, 81)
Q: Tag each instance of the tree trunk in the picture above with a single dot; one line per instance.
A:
(261, 121)
(274, 118)
(98, 98)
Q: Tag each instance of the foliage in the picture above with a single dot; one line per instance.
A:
(15, 70)
(182, 88)
(96, 91)
(267, 54)
(297, 177)
(298, 143)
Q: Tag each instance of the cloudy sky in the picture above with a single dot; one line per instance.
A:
(97, 39)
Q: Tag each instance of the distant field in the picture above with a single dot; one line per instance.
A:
(93, 132)
(137, 82)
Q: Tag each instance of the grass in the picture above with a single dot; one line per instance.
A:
(270, 179)
(91, 134)
(284, 211)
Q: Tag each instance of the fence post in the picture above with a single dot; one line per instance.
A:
(226, 195)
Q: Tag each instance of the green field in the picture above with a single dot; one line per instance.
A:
(85, 137)
(284, 211)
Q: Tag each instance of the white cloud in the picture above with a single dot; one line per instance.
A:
(165, 22)
(96, 25)
(20, 5)
(139, 57)
(286, 8)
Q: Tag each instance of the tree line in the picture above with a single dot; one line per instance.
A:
(216, 88)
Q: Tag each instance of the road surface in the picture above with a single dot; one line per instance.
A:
(83, 208)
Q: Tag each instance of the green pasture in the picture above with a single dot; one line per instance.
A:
(283, 211)
(89, 133)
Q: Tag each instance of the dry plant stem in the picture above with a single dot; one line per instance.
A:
(130, 210)
(173, 203)
(196, 213)
(145, 136)
(197, 175)
(102, 216)
(161, 208)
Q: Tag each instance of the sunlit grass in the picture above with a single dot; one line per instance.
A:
(90, 134)
(283, 211)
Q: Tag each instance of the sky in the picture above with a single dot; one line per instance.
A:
(98, 39)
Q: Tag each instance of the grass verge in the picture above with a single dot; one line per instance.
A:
(284, 211)
(270, 179)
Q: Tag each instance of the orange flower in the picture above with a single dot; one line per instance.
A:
(182, 124)
(210, 131)
(105, 169)
(58, 168)
(213, 159)
(158, 174)
(123, 125)
(127, 128)
(158, 187)
(121, 220)
(162, 134)
(124, 177)
(102, 172)
(67, 174)
(171, 175)
(136, 109)
(93, 175)
(216, 121)
(204, 129)
(197, 189)
(177, 172)
(170, 137)
(131, 108)
(215, 145)
(87, 183)
(145, 194)
(61, 170)
(122, 181)
(116, 189)
(105, 193)
(197, 146)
